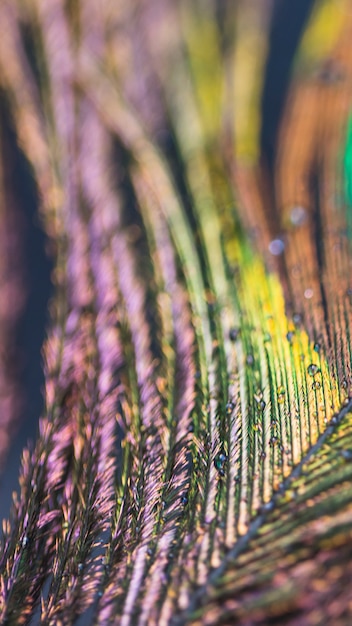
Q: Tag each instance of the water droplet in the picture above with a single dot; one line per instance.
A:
(250, 359)
(276, 247)
(298, 216)
(316, 385)
(290, 336)
(234, 333)
(25, 541)
(184, 499)
(346, 454)
(297, 319)
(308, 294)
(317, 347)
(312, 369)
(344, 384)
(262, 404)
(219, 463)
(80, 568)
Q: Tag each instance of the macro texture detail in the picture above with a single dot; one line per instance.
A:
(193, 461)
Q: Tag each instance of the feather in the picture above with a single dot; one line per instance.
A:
(193, 460)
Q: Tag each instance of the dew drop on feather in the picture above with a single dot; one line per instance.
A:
(312, 369)
(276, 247)
(234, 333)
(308, 293)
(298, 216)
(297, 319)
(219, 462)
(250, 359)
(346, 454)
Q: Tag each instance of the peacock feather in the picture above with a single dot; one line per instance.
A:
(193, 461)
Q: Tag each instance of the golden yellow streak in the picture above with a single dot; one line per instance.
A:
(322, 32)
(206, 65)
(249, 58)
